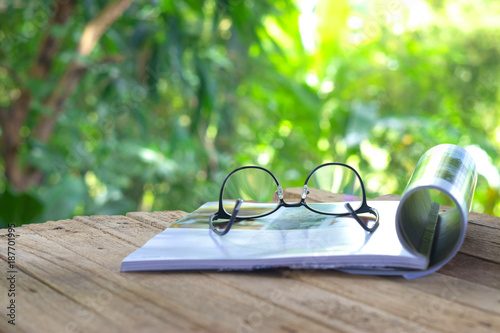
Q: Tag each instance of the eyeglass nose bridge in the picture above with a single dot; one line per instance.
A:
(283, 203)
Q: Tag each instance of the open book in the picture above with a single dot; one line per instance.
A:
(416, 235)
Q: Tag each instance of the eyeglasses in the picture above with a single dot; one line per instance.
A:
(256, 192)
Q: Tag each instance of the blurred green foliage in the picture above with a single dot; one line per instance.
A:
(178, 93)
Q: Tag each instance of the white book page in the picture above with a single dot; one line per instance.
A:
(293, 237)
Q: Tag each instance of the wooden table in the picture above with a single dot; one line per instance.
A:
(67, 279)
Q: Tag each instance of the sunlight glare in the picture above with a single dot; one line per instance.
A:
(484, 165)
(307, 24)
(355, 22)
(379, 158)
(420, 14)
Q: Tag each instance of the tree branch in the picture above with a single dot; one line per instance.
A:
(92, 32)
(65, 88)
(50, 44)
(12, 120)
(3, 117)
(15, 117)
(96, 27)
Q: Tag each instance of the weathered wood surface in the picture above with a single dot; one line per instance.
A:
(68, 280)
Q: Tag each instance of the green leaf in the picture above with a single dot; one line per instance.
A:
(18, 208)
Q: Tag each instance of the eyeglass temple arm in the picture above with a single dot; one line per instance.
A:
(361, 223)
(236, 209)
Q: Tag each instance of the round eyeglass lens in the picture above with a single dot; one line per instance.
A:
(256, 187)
(331, 187)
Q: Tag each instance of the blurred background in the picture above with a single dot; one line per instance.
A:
(123, 105)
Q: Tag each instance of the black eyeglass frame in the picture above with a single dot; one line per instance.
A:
(223, 214)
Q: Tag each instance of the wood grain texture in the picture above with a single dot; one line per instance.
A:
(68, 280)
